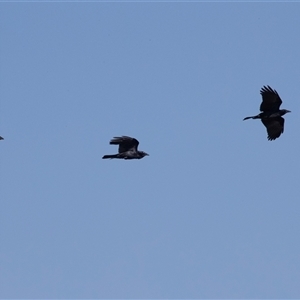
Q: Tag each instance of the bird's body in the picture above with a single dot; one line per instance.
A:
(128, 148)
(1, 138)
(271, 115)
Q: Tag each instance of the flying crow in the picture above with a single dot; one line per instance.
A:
(128, 148)
(271, 115)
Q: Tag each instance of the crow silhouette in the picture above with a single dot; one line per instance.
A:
(128, 148)
(271, 115)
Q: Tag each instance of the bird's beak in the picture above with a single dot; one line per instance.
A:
(288, 111)
(147, 154)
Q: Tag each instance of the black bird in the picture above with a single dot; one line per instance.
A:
(128, 148)
(271, 115)
(1, 138)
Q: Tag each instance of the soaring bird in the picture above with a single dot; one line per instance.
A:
(271, 115)
(1, 138)
(128, 148)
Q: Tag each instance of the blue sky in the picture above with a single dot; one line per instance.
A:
(213, 212)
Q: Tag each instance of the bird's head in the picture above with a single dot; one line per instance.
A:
(285, 111)
(142, 154)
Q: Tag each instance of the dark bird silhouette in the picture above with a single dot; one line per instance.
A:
(1, 138)
(271, 115)
(128, 148)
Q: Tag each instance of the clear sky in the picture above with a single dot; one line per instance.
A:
(213, 212)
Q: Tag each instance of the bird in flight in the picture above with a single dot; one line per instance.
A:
(271, 115)
(1, 138)
(128, 148)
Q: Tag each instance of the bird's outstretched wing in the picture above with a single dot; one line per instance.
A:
(125, 143)
(275, 127)
(270, 99)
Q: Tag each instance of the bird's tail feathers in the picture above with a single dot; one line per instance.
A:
(251, 117)
(110, 156)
